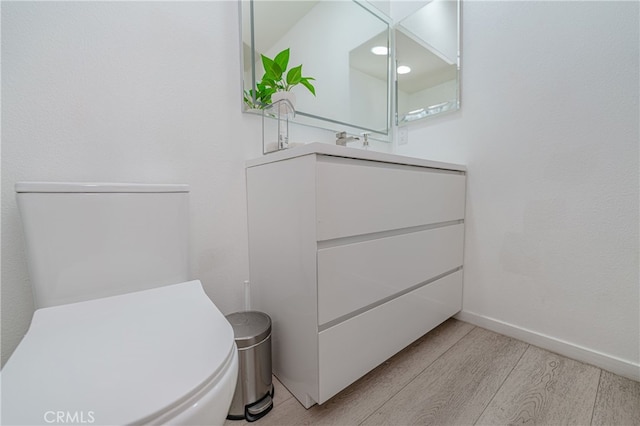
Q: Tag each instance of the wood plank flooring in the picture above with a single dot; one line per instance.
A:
(545, 388)
(459, 374)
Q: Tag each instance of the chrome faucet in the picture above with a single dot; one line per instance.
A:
(342, 138)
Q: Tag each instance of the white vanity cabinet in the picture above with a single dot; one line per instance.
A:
(354, 255)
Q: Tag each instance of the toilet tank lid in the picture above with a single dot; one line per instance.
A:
(94, 187)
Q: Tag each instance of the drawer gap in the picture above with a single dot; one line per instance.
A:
(336, 321)
(335, 242)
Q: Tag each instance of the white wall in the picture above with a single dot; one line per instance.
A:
(127, 92)
(549, 129)
(150, 92)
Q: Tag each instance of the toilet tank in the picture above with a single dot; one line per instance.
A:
(90, 240)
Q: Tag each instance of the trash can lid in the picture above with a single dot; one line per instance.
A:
(249, 327)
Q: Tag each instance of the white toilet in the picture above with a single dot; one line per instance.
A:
(119, 335)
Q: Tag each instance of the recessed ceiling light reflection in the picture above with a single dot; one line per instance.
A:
(380, 50)
(403, 69)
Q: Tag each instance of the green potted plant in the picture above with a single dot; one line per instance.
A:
(277, 82)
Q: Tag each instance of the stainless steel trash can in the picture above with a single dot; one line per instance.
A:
(253, 397)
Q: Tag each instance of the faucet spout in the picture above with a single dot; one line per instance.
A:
(342, 138)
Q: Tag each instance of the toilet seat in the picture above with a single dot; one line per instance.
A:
(134, 358)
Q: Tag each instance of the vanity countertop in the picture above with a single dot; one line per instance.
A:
(341, 151)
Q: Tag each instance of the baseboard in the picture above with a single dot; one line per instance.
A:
(606, 362)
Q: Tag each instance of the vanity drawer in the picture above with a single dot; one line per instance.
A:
(357, 197)
(353, 276)
(352, 348)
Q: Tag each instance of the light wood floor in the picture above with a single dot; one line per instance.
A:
(459, 374)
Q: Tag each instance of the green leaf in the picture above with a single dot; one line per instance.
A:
(282, 59)
(266, 94)
(305, 82)
(272, 70)
(266, 63)
(268, 81)
(294, 75)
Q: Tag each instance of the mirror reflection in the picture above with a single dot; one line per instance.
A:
(345, 52)
(427, 43)
(332, 40)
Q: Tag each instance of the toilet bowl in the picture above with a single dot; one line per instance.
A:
(159, 356)
(120, 334)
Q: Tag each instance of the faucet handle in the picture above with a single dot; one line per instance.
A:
(365, 139)
(341, 135)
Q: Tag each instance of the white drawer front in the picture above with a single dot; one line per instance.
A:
(351, 349)
(353, 276)
(357, 197)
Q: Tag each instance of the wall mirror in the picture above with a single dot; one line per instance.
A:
(333, 40)
(427, 59)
